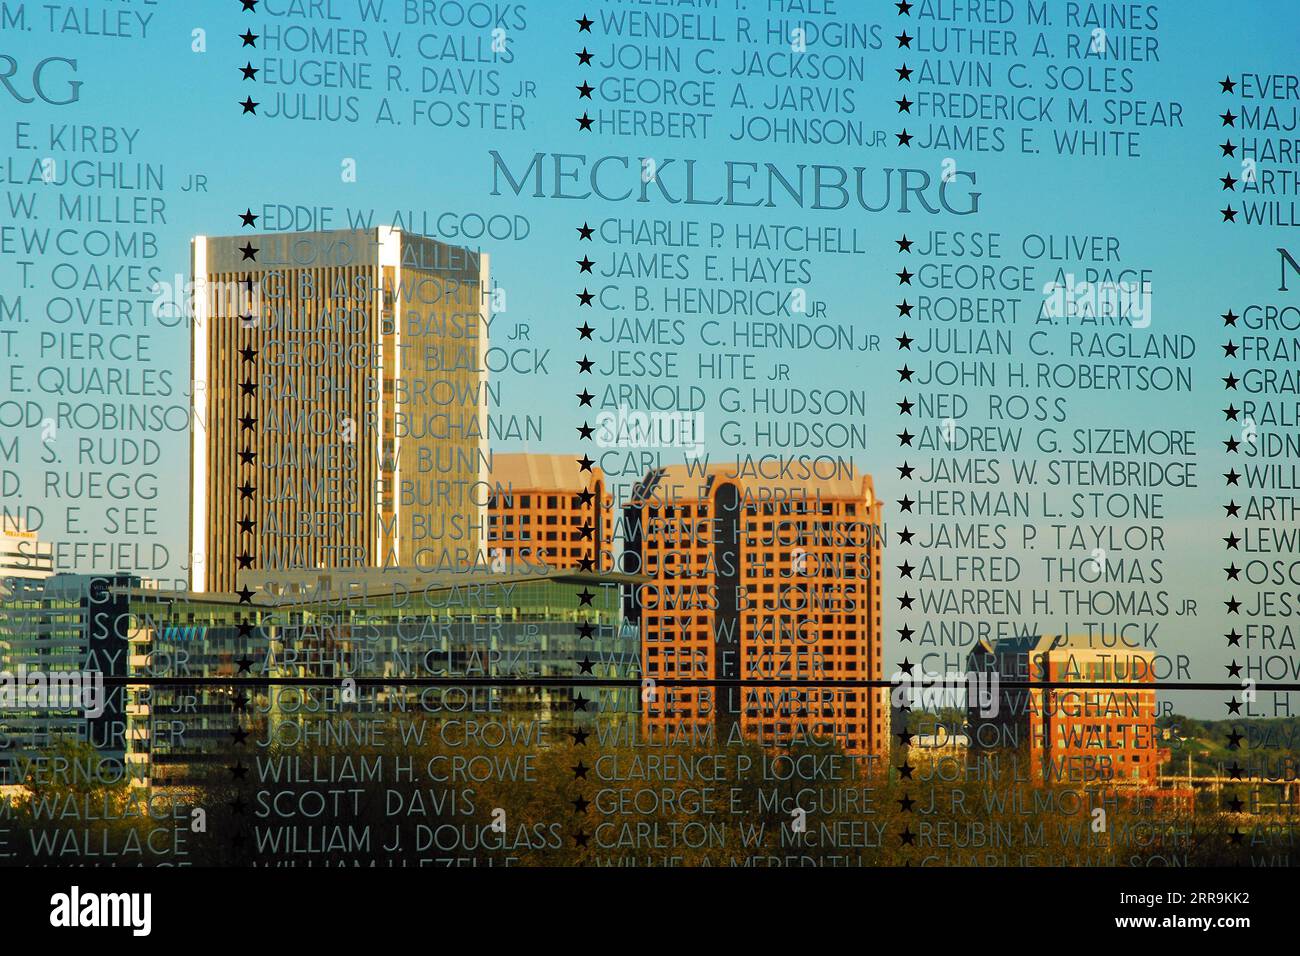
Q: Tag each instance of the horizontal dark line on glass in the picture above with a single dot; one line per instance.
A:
(680, 682)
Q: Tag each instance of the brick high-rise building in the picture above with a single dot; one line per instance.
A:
(340, 399)
(755, 578)
(546, 511)
(1071, 735)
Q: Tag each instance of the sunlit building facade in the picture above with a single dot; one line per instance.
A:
(546, 511)
(762, 586)
(1071, 735)
(340, 403)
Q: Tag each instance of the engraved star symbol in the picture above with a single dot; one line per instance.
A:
(1232, 476)
(246, 525)
(1232, 508)
(1232, 572)
(1234, 706)
(584, 25)
(904, 277)
(248, 218)
(1232, 541)
(584, 297)
(904, 244)
(905, 408)
(904, 73)
(1231, 444)
(585, 463)
(585, 397)
(905, 503)
(904, 309)
(1230, 350)
(1229, 214)
(904, 105)
(1233, 605)
(249, 106)
(1230, 318)
(249, 38)
(1228, 118)
(905, 569)
(245, 595)
(904, 40)
(585, 330)
(905, 536)
(904, 374)
(585, 431)
(905, 634)
(585, 90)
(1234, 638)
(1234, 669)
(905, 341)
(1228, 182)
(584, 122)
(1228, 148)
(585, 231)
(1226, 85)
(585, 364)
(585, 264)
(584, 58)
(1230, 413)
(904, 138)
(905, 437)
(249, 71)
(905, 470)
(248, 251)
(1230, 381)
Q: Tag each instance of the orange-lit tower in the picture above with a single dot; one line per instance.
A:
(756, 578)
(546, 510)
